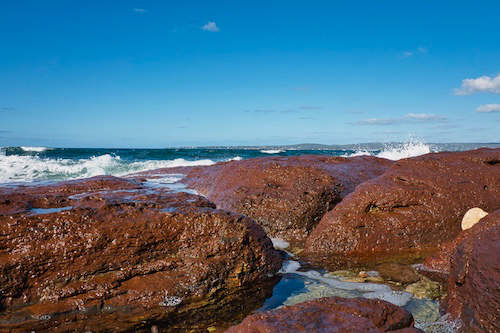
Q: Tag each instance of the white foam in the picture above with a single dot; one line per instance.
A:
(358, 153)
(236, 158)
(272, 151)
(35, 149)
(279, 243)
(411, 148)
(289, 266)
(408, 149)
(15, 168)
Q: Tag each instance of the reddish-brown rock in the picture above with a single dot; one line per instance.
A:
(474, 282)
(118, 256)
(334, 314)
(287, 196)
(414, 206)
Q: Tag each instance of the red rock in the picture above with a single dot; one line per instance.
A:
(122, 256)
(334, 314)
(474, 282)
(287, 196)
(416, 205)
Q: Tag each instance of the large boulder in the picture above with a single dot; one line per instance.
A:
(474, 282)
(437, 266)
(334, 314)
(413, 207)
(109, 254)
(287, 196)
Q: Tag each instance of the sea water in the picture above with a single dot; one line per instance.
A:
(32, 164)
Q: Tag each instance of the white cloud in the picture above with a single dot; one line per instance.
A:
(408, 118)
(140, 10)
(424, 116)
(407, 54)
(488, 108)
(480, 84)
(210, 26)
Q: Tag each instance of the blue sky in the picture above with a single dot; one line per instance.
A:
(170, 73)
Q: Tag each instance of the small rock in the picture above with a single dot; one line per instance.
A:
(425, 288)
(472, 216)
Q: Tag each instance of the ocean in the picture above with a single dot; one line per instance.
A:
(38, 164)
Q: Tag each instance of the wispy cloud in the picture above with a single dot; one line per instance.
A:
(140, 10)
(424, 116)
(310, 107)
(408, 118)
(481, 84)
(7, 108)
(210, 26)
(411, 53)
(422, 50)
(488, 108)
(300, 109)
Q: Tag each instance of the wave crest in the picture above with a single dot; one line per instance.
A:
(397, 151)
(35, 149)
(15, 168)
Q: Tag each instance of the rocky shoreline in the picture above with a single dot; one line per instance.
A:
(181, 249)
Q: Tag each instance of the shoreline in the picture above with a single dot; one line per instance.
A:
(289, 198)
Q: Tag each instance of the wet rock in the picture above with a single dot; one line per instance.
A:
(425, 288)
(287, 196)
(437, 266)
(125, 257)
(474, 282)
(416, 205)
(395, 272)
(334, 314)
(472, 216)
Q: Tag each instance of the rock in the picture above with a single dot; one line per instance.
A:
(395, 272)
(474, 282)
(425, 288)
(333, 314)
(287, 196)
(109, 254)
(415, 206)
(472, 216)
(437, 266)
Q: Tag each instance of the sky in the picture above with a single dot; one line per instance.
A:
(181, 73)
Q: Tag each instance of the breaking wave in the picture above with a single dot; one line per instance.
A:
(397, 151)
(35, 149)
(272, 151)
(15, 168)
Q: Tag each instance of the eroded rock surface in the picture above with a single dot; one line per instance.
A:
(112, 254)
(474, 282)
(333, 314)
(287, 196)
(414, 206)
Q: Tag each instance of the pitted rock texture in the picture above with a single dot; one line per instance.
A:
(121, 256)
(287, 196)
(334, 314)
(416, 205)
(474, 282)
